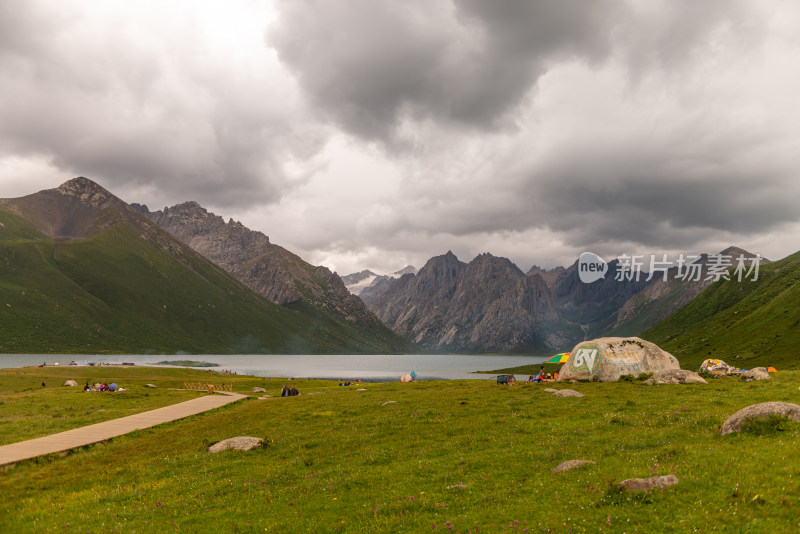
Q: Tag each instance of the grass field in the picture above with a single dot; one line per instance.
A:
(460, 456)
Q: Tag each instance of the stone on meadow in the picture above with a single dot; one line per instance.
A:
(717, 367)
(606, 359)
(239, 443)
(550, 390)
(759, 373)
(570, 464)
(568, 393)
(150, 386)
(70, 383)
(676, 376)
(645, 484)
(759, 411)
(259, 390)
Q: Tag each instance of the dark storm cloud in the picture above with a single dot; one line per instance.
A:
(373, 65)
(370, 65)
(140, 99)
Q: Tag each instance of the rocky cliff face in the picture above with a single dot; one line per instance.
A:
(595, 305)
(487, 305)
(268, 269)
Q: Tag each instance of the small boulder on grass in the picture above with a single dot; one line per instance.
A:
(239, 443)
(150, 386)
(675, 376)
(70, 383)
(550, 390)
(759, 373)
(759, 411)
(568, 393)
(259, 390)
(570, 464)
(644, 484)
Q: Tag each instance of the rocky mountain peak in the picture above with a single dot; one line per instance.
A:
(88, 191)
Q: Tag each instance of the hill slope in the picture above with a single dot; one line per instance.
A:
(81, 271)
(747, 324)
(274, 272)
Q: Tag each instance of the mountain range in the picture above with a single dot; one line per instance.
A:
(82, 271)
(489, 305)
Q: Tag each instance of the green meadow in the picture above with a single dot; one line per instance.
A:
(460, 456)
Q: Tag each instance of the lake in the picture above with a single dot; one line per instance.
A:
(367, 367)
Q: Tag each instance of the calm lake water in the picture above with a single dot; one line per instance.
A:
(369, 367)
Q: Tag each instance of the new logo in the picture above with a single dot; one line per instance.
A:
(591, 267)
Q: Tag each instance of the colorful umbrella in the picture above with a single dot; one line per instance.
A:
(558, 358)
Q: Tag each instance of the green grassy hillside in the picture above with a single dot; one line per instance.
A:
(115, 292)
(747, 324)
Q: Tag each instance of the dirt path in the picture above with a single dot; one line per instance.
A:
(78, 437)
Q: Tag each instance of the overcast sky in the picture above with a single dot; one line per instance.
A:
(378, 133)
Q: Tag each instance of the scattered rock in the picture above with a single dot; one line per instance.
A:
(361, 389)
(388, 402)
(759, 411)
(150, 386)
(568, 393)
(570, 464)
(717, 367)
(644, 484)
(70, 383)
(265, 397)
(259, 390)
(608, 358)
(459, 486)
(759, 373)
(675, 376)
(239, 443)
(550, 390)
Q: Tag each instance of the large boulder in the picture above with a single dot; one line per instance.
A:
(239, 443)
(675, 376)
(759, 411)
(70, 383)
(608, 358)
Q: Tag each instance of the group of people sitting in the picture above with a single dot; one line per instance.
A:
(289, 392)
(101, 387)
(542, 377)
